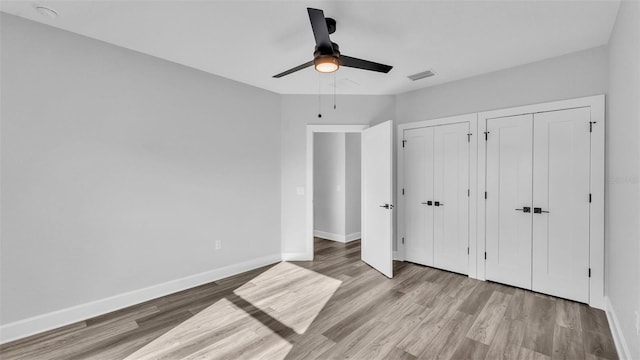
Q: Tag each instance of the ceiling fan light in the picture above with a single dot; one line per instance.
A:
(326, 63)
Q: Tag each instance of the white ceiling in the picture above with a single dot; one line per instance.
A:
(250, 41)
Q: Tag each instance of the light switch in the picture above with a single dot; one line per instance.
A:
(300, 190)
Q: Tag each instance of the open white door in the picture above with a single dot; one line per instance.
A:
(377, 197)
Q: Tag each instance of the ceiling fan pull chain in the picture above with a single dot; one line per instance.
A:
(319, 98)
(334, 91)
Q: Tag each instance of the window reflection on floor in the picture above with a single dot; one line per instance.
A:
(304, 295)
(253, 322)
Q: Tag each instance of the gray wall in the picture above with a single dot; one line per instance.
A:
(574, 75)
(120, 170)
(353, 183)
(329, 183)
(297, 112)
(622, 189)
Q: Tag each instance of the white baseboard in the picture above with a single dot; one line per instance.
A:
(616, 332)
(336, 237)
(329, 236)
(297, 257)
(37, 324)
(352, 237)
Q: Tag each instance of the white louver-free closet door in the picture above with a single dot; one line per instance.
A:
(561, 173)
(537, 207)
(418, 185)
(509, 200)
(436, 196)
(451, 197)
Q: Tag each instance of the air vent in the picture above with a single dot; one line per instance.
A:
(422, 75)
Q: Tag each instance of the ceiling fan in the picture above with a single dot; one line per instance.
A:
(327, 57)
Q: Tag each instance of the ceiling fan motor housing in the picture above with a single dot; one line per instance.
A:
(331, 25)
(335, 50)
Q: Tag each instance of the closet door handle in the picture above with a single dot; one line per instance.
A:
(438, 203)
(525, 209)
(429, 202)
(537, 210)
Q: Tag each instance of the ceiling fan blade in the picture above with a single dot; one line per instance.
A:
(349, 61)
(299, 67)
(320, 30)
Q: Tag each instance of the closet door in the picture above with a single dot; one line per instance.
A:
(418, 187)
(451, 200)
(561, 176)
(509, 200)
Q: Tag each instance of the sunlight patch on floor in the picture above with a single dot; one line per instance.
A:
(253, 322)
(220, 331)
(291, 294)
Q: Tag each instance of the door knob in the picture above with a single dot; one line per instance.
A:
(525, 209)
(537, 210)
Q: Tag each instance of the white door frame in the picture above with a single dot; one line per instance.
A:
(311, 130)
(472, 119)
(596, 231)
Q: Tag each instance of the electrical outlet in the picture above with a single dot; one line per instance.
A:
(218, 244)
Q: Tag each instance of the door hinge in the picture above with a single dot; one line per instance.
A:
(402, 191)
(468, 250)
(589, 197)
(486, 135)
(485, 195)
(485, 255)
(402, 241)
(403, 141)
(589, 272)
(468, 192)
(591, 125)
(469, 137)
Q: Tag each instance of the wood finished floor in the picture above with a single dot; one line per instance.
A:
(335, 307)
